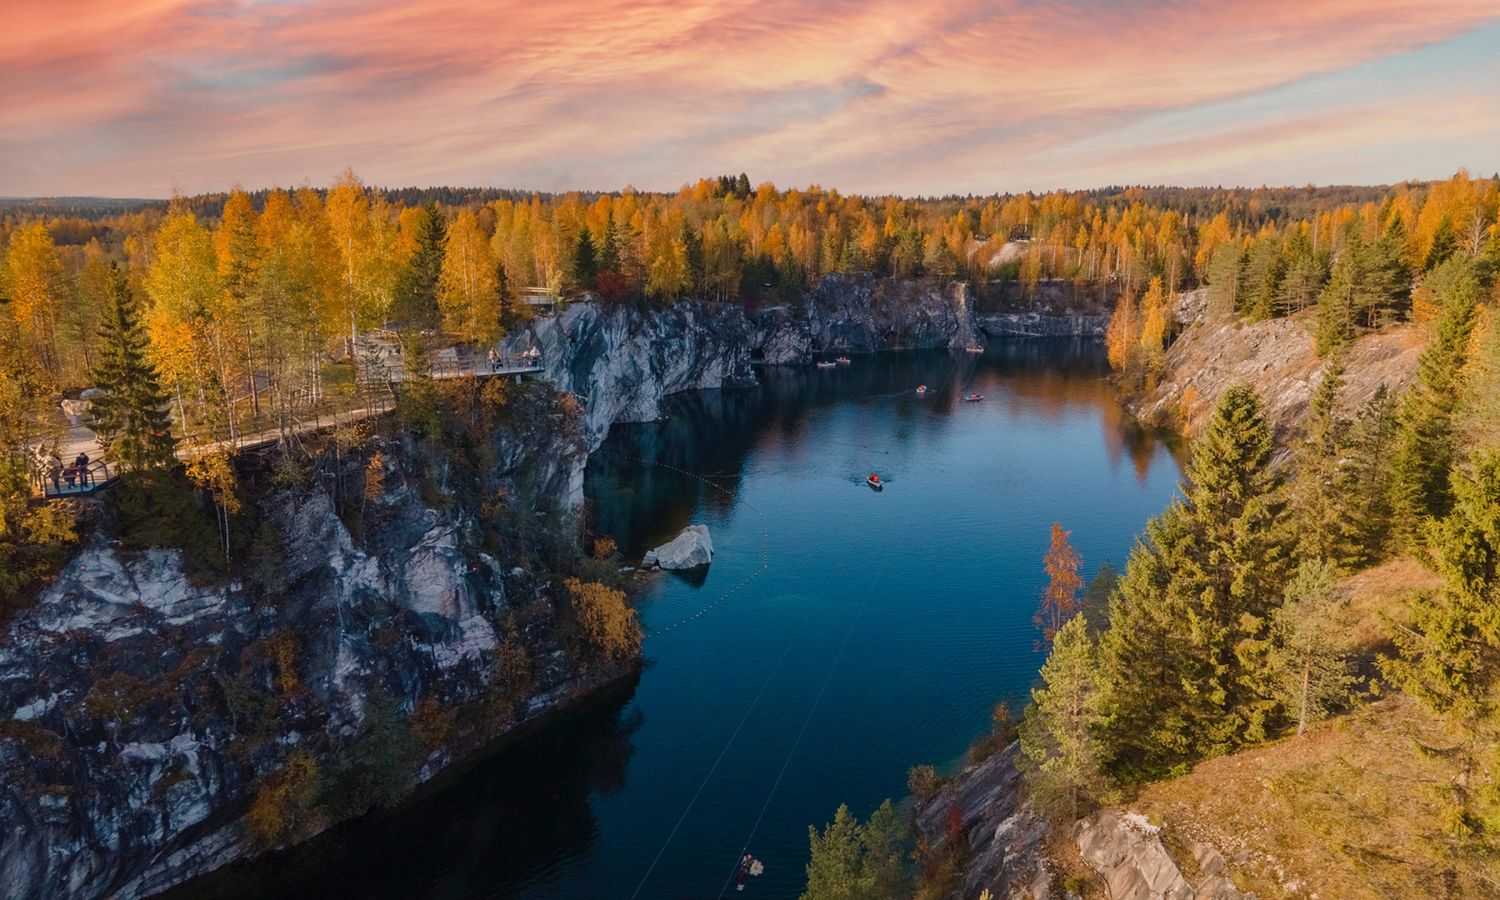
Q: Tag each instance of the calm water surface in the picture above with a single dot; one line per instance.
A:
(878, 636)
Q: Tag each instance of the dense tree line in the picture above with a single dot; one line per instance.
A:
(1357, 267)
(1221, 635)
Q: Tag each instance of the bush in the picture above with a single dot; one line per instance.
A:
(603, 618)
(432, 723)
(923, 782)
(283, 808)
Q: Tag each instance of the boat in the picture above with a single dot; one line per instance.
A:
(874, 481)
(842, 360)
(973, 397)
(974, 348)
(921, 389)
(824, 364)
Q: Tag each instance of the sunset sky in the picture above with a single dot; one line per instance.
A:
(136, 97)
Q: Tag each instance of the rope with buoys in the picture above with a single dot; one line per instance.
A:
(765, 541)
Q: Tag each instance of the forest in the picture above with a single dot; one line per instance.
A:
(1229, 628)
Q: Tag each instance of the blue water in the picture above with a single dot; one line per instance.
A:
(878, 629)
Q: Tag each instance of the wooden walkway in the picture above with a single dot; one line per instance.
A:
(79, 438)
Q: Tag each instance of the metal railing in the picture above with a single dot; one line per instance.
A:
(71, 481)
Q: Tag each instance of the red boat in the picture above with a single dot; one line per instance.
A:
(874, 481)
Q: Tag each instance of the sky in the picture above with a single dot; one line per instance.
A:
(140, 98)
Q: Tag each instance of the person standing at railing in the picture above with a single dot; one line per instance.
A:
(82, 465)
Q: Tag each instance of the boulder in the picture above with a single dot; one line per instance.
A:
(689, 550)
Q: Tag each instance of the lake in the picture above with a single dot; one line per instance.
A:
(840, 636)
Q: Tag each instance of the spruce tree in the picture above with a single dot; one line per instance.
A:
(1385, 289)
(1365, 479)
(418, 290)
(1319, 495)
(1304, 276)
(1426, 445)
(1338, 299)
(1183, 655)
(585, 260)
(1450, 648)
(1059, 746)
(131, 418)
(1444, 245)
(1312, 674)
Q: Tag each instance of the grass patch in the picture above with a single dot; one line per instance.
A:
(1351, 809)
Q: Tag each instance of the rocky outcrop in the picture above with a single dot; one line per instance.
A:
(1003, 833)
(1278, 357)
(143, 713)
(622, 362)
(1040, 325)
(1127, 852)
(691, 549)
(861, 313)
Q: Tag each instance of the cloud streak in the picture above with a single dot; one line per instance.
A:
(870, 96)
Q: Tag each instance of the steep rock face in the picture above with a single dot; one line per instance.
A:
(141, 713)
(622, 363)
(864, 314)
(1127, 851)
(1039, 325)
(1278, 357)
(1004, 834)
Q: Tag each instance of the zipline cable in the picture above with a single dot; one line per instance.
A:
(771, 795)
(722, 753)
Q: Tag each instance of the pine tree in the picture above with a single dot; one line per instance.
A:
(585, 260)
(1365, 479)
(1444, 245)
(1319, 494)
(1450, 649)
(1182, 655)
(850, 861)
(1426, 445)
(1059, 747)
(1312, 674)
(131, 418)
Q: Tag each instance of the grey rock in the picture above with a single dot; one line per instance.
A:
(691, 549)
(1127, 851)
(1003, 832)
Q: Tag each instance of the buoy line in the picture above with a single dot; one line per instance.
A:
(765, 541)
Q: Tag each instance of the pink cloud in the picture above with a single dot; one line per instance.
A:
(126, 98)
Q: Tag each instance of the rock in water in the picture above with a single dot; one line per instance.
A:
(689, 550)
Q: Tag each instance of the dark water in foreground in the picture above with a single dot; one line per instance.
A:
(878, 637)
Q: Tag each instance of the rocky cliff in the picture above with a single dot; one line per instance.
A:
(1003, 835)
(1006, 844)
(622, 362)
(156, 726)
(1280, 358)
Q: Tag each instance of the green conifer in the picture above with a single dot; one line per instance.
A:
(1426, 445)
(1183, 656)
(1059, 745)
(131, 418)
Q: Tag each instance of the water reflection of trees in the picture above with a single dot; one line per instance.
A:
(499, 824)
(712, 433)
